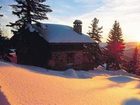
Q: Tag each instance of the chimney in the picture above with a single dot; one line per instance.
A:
(77, 26)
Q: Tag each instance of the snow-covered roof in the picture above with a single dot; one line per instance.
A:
(56, 33)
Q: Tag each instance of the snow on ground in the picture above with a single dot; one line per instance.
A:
(28, 85)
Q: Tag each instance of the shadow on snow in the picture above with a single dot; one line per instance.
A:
(133, 101)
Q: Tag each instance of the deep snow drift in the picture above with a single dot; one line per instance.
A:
(27, 85)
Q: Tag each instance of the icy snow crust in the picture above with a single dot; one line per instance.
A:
(29, 85)
(64, 34)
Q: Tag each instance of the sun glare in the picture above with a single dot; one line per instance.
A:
(133, 38)
(138, 44)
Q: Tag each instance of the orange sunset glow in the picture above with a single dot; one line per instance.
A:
(69, 52)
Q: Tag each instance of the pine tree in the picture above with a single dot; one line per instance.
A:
(3, 44)
(95, 32)
(29, 44)
(29, 11)
(115, 47)
(94, 51)
(1, 14)
(133, 64)
(0, 24)
(94, 54)
(0, 32)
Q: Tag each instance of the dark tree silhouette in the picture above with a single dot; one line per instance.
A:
(4, 48)
(95, 32)
(29, 11)
(115, 47)
(133, 64)
(94, 51)
(94, 54)
(30, 47)
(1, 14)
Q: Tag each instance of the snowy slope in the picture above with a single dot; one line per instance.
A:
(26, 85)
(56, 33)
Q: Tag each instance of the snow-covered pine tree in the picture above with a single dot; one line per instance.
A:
(115, 47)
(29, 11)
(95, 32)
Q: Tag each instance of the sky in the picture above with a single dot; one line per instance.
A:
(127, 12)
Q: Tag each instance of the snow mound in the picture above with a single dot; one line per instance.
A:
(35, 86)
(120, 72)
(84, 74)
(71, 73)
(77, 74)
(100, 68)
(113, 72)
(122, 79)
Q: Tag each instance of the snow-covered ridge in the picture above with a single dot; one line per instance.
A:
(69, 73)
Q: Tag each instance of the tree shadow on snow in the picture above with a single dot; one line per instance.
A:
(121, 79)
(133, 101)
(3, 99)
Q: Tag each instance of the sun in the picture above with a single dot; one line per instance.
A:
(138, 44)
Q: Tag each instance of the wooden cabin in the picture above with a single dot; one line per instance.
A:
(54, 45)
(67, 46)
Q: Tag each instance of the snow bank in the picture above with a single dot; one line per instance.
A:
(28, 85)
(122, 79)
(100, 68)
(77, 74)
(111, 72)
(71, 73)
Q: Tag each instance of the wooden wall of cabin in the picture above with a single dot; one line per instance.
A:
(70, 59)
